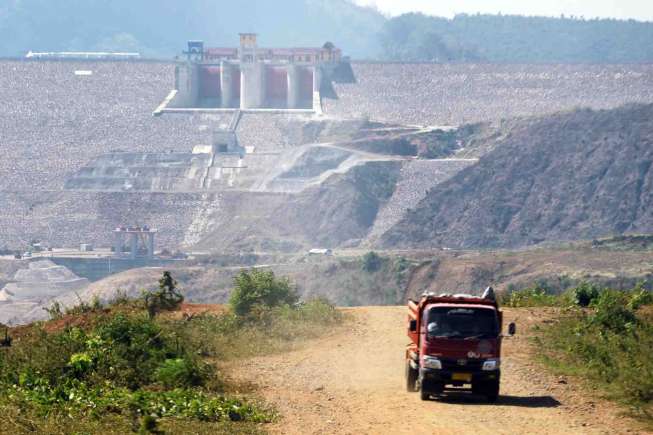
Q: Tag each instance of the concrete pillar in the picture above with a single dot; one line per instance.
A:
(317, 79)
(133, 245)
(252, 86)
(150, 245)
(293, 86)
(317, 84)
(117, 243)
(226, 84)
(187, 85)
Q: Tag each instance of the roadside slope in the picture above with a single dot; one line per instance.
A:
(352, 382)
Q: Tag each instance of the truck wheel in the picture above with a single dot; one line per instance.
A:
(411, 378)
(424, 394)
(492, 391)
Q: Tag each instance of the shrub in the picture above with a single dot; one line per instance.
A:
(640, 297)
(611, 312)
(270, 330)
(55, 310)
(179, 372)
(529, 297)
(608, 344)
(258, 288)
(112, 368)
(84, 307)
(167, 298)
(585, 294)
(372, 262)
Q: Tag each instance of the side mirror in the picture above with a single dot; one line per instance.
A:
(412, 325)
(512, 329)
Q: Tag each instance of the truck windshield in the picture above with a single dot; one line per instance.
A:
(454, 322)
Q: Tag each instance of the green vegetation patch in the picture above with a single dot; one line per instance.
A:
(127, 367)
(130, 365)
(628, 242)
(266, 317)
(608, 343)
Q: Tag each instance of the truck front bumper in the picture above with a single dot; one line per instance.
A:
(458, 377)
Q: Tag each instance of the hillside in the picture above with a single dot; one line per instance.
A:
(160, 28)
(515, 39)
(575, 175)
(362, 32)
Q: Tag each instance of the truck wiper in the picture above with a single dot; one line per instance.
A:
(475, 337)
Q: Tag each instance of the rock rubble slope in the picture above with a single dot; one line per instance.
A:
(575, 175)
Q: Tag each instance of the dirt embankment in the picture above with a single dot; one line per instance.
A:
(351, 382)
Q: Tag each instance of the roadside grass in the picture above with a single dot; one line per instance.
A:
(530, 297)
(606, 338)
(265, 331)
(128, 368)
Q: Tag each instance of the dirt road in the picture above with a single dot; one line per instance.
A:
(351, 382)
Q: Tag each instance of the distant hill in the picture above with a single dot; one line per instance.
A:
(516, 39)
(161, 27)
(569, 176)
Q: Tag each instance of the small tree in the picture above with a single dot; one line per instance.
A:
(372, 262)
(167, 298)
(585, 294)
(260, 288)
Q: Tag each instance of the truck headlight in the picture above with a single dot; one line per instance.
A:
(432, 363)
(492, 364)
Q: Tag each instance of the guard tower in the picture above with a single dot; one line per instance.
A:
(141, 242)
(248, 48)
(195, 51)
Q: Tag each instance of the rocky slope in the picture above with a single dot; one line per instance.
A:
(574, 175)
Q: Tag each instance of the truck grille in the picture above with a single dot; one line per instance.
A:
(461, 364)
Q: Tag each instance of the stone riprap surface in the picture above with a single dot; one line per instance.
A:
(454, 94)
(54, 123)
(415, 180)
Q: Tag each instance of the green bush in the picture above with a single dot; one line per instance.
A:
(529, 297)
(260, 289)
(127, 369)
(120, 365)
(179, 372)
(167, 298)
(640, 297)
(372, 262)
(611, 312)
(585, 294)
(610, 344)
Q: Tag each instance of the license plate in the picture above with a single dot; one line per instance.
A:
(463, 377)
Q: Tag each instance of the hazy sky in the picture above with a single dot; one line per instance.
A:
(637, 9)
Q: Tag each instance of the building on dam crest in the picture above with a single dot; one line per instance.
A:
(252, 77)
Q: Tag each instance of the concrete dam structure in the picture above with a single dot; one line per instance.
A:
(251, 78)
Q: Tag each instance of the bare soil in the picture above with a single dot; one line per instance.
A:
(352, 382)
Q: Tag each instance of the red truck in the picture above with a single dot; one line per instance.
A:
(455, 341)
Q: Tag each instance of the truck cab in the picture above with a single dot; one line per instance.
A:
(455, 342)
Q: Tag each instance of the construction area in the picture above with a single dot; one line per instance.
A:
(76, 169)
(252, 151)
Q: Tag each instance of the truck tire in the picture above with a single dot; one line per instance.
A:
(424, 394)
(411, 378)
(492, 391)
